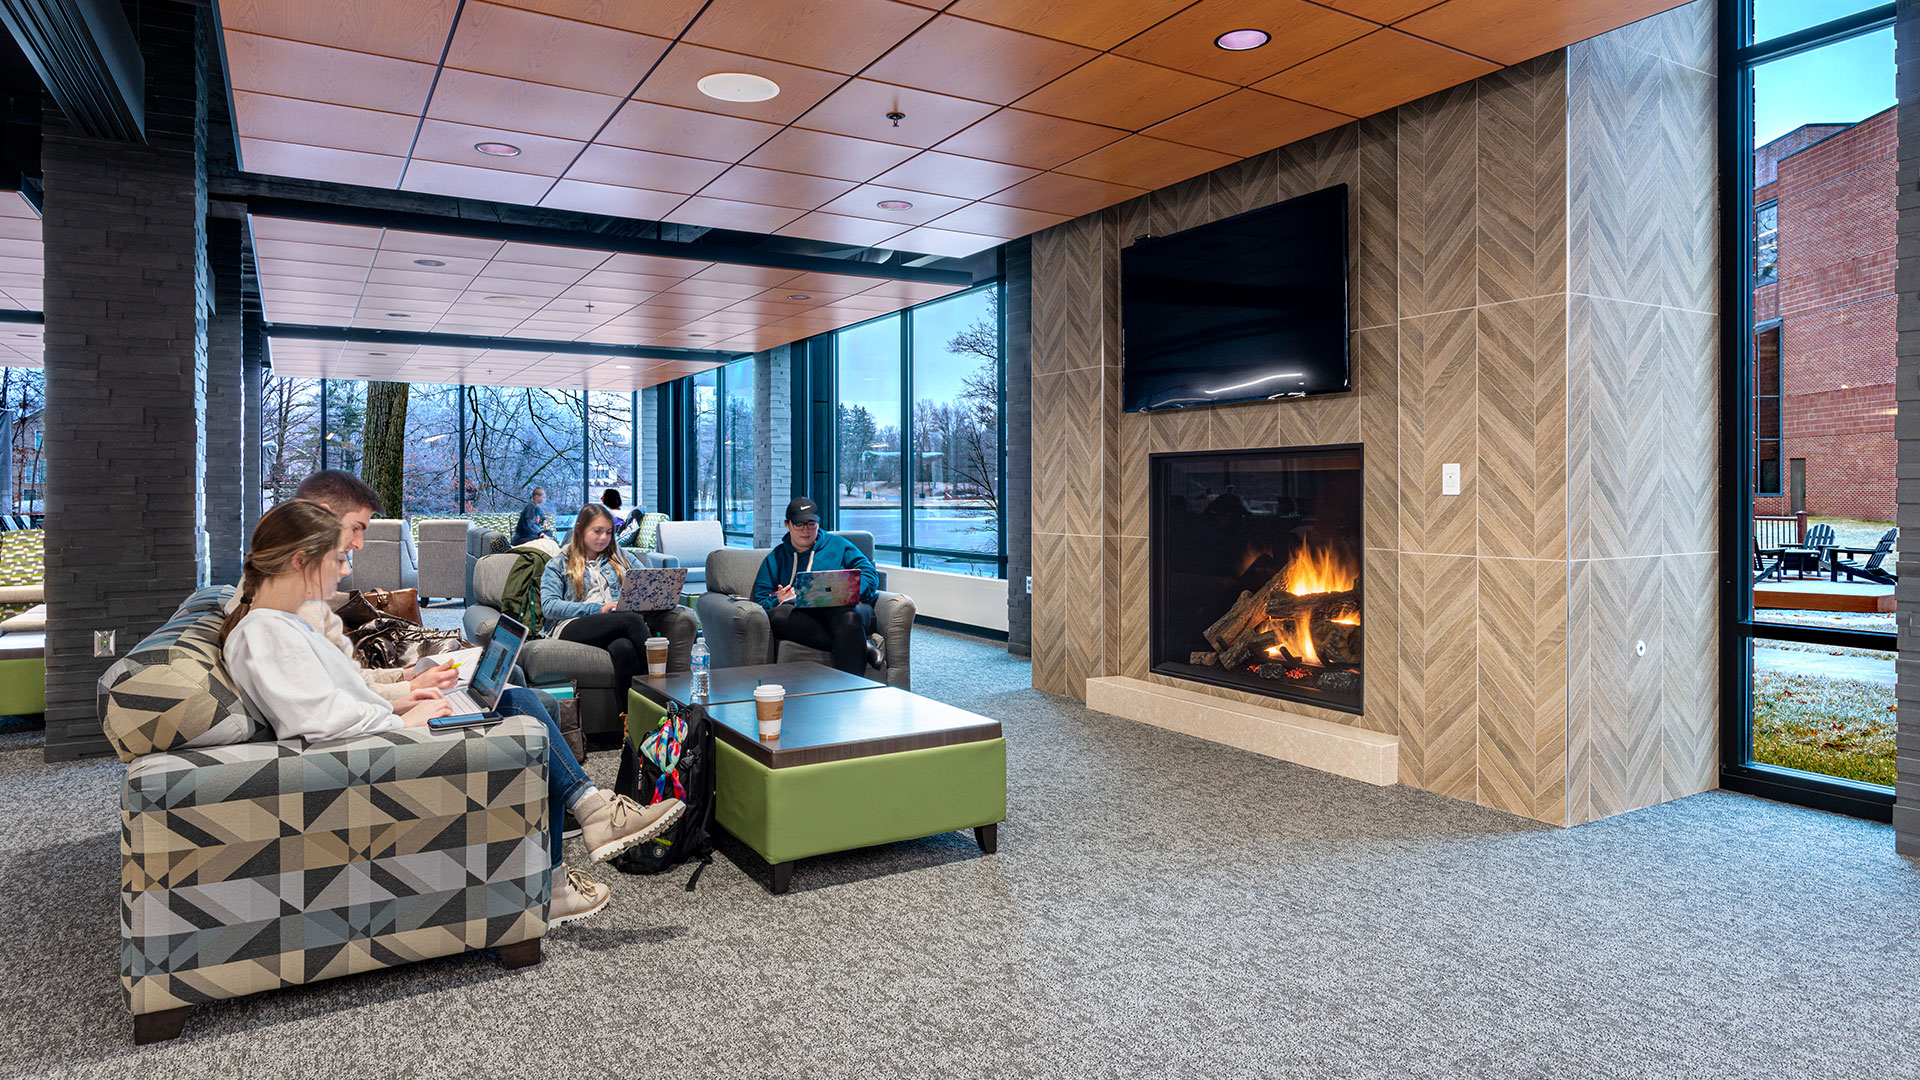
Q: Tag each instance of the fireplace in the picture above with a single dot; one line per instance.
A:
(1256, 572)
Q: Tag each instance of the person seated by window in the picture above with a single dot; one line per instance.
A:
(306, 688)
(535, 521)
(611, 499)
(844, 632)
(580, 590)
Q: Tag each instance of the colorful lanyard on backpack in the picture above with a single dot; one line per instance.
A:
(663, 749)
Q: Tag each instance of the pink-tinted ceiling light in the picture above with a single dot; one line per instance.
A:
(1242, 40)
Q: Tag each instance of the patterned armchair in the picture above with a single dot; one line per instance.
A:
(251, 865)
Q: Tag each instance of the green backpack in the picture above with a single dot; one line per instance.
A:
(520, 600)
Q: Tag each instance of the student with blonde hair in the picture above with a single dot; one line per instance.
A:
(307, 688)
(580, 590)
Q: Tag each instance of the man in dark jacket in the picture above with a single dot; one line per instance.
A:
(534, 522)
(845, 632)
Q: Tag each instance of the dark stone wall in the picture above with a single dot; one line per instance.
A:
(227, 445)
(1018, 425)
(1906, 809)
(127, 299)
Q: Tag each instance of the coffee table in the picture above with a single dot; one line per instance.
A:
(737, 684)
(853, 767)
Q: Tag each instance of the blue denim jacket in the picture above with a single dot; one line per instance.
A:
(557, 602)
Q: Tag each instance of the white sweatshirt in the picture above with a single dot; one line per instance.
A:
(300, 681)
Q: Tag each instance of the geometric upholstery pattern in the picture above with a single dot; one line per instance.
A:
(171, 692)
(272, 864)
(23, 558)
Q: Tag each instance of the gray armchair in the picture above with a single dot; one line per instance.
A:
(738, 633)
(551, 662)
(388, 560)
(480, 544)
(687, 543)
(443, 558)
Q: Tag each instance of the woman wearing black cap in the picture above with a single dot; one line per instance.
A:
(845, 632)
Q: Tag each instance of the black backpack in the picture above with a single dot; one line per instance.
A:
(688, 778)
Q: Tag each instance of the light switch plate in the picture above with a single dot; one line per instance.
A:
(1450, 479)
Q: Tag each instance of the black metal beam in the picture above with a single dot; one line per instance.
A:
(356, 335)
(527, 232)
(37, 318)
(89, 58)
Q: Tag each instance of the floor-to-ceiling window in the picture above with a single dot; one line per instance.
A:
(431, 466)
(706, 446)
(921, 463)
(611, 446)
(1810, 452)
(23, 400)
(520, 438)
(290, 435)
(868, 372)
(736, 440)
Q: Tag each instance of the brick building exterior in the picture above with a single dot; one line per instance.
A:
(1833, 304)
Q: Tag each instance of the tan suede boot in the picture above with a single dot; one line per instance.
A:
(612, 825)
(576, 895)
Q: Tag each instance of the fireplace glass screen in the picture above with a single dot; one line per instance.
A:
(1256, 564)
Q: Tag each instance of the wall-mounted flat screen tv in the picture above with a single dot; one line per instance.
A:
(1248, 308)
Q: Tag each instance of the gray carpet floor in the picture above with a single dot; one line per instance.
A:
(1160, 907)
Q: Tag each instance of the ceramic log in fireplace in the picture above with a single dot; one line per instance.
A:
(1256, 564)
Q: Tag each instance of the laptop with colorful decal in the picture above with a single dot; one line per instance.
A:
(648, 588)
(826, 588)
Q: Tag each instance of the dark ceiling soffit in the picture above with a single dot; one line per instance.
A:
(473, 228)
(362, 336)
(89, 59)
(37, 318)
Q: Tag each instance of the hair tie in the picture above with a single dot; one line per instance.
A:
(246, 601)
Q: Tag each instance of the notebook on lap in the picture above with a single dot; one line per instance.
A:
(826, 588)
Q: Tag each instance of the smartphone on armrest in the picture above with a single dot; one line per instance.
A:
(461, 721)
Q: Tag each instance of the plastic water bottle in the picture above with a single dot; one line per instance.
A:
(702, 666)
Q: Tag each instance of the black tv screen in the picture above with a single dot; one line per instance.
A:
(1251, 307)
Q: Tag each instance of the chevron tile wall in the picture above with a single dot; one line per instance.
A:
(1533, 263)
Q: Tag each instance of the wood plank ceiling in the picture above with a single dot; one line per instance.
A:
(1016, 115)
(21, 274)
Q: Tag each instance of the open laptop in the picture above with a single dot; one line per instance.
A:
(648, 588)
(826, 588)
(482, 695)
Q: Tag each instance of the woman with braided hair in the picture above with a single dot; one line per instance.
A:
(307, 688)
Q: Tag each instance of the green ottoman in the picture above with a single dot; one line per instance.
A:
(851, 770)
(23, 674)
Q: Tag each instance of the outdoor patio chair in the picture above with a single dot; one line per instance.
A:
(1871, 570)
(1813, 559)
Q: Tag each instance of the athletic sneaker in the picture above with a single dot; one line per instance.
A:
(576, 895)
(876, 651)
(619, 823)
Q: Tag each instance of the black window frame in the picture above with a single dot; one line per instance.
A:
(1739, 56)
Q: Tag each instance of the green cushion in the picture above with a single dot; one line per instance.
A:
(804, 810)
(23, 687)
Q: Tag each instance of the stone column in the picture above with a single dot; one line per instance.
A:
(1906, 808)
(649, 437)
(772, 441)
(253, 372)
(1017, 500)
(127, 297)
(227, 447)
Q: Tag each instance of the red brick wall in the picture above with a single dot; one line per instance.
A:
(1835, 301)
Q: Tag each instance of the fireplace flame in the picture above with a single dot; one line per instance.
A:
(1312, 570)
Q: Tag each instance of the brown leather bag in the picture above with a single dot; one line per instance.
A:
(363, 606)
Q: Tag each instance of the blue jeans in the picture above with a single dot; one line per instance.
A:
(565, 777)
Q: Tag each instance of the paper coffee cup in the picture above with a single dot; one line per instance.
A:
(769, 701)
(656, 658)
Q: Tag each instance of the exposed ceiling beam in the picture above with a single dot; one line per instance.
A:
(87, 55)
(365, 336)
(511, 231)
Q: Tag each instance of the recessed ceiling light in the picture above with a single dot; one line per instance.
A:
(799, 296)
(696, 335)
(894, 204)
(428, 262)
(398, 315)
(738, 86)
(501, 299)
(1242, 40)
(497, 149)
(624, 367)
(376, 354)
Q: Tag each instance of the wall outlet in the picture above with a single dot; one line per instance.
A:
(1029, 584)
(103, 642)
(1450, 479)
